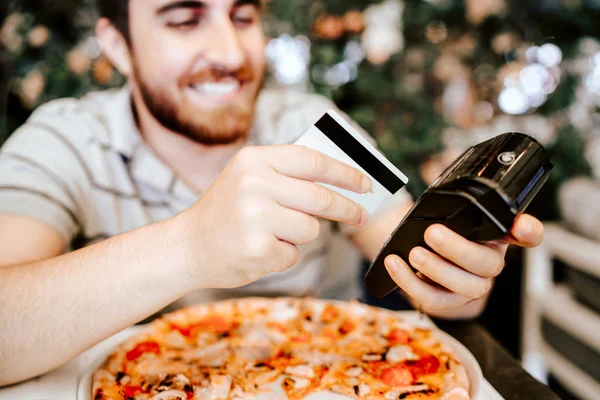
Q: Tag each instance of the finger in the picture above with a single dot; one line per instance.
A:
(424, 294)
(295, 227)
(303, 163)
(479, 259)
(286, 255)
(448, 275)
(316, 200)
(528, 231)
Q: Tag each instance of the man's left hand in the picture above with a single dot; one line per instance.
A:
(459, 271)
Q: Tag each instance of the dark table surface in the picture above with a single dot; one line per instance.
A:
(503, 372)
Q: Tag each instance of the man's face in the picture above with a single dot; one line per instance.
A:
(198, 64)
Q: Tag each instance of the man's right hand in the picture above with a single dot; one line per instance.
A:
(246, 225)
(260, 208)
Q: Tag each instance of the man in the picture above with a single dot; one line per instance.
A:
(186, 174)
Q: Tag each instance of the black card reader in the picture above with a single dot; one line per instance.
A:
(478, 197)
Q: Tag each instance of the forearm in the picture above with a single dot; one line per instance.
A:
(371, 238)
(53, 310)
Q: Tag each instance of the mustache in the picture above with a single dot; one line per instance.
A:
(243, 74)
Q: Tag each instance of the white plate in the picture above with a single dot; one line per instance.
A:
(84, 389)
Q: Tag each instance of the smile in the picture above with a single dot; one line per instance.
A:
(217, 88)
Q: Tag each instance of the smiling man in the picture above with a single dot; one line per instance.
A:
(185, 181)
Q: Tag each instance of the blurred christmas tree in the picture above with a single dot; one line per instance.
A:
(427, 78)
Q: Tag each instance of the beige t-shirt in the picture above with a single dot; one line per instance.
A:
(82, 167)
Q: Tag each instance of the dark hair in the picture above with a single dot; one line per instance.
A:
(117, 12)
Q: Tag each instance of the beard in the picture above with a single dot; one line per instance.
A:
(217, 126)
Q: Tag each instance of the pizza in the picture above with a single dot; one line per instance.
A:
(287, 348)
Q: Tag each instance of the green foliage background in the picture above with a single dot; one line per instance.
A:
(408, 124)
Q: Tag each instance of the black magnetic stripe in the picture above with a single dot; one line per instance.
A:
(356, 151)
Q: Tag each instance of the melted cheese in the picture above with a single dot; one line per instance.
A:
(400, 353)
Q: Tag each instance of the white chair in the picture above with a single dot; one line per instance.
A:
(545, 299)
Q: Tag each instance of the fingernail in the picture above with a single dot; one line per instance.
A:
(436, 235)
(417, 256)
(364, 218)
(365, 184)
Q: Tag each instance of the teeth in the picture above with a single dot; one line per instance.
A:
(214, 88)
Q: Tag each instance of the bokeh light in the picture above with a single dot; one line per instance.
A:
(289, 57)
(92, 47)
(513, 101)
(549, 55)
(529, 88)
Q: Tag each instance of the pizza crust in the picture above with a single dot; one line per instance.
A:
(456, 382)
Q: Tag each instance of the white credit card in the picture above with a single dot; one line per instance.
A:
(333, 136)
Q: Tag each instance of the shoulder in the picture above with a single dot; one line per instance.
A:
(63, 135)
(75, 120)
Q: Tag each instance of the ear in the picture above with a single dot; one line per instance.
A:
(114, 46)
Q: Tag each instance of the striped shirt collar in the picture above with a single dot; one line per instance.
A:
(144, 165)
(125, 135)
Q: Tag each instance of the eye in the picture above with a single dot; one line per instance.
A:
(244, 16)
(190, 23)
(184, 20)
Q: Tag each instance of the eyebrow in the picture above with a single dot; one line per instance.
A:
(199, 4)
(239, 3)
(180, 4)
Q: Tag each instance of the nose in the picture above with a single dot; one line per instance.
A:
(225, 49)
